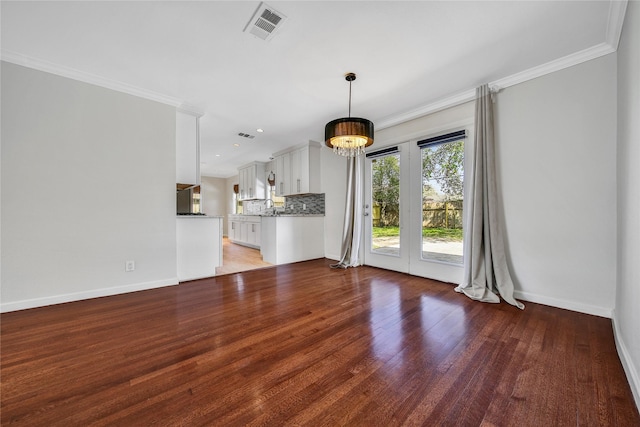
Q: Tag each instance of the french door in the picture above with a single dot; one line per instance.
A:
(413, 208)
(386, 218)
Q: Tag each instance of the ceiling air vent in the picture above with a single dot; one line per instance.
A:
(264, 22)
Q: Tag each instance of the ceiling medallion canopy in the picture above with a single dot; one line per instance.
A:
(348, 136)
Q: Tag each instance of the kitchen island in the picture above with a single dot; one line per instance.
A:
(292, 238)
(199, 246)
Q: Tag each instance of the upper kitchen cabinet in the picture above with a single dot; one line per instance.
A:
(283, 174)
(187, 148)
(251, 180)
(298, 170)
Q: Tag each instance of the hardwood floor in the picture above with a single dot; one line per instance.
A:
(237, 258)
(303, 344)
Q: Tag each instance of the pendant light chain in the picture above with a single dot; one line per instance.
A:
(349, 98)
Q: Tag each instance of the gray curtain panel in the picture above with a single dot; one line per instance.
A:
(352, 229)
(486, 274)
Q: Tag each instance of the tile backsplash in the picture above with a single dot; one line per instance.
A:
(301, 204)
(305, 204)
(253, 207)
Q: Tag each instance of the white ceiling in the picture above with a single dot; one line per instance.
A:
(407, 55)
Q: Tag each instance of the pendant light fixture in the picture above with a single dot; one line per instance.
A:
(349, 136)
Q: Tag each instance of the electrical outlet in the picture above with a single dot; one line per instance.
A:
(304, 206)
(129, 266)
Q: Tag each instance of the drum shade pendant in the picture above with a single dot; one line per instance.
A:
(349, 136)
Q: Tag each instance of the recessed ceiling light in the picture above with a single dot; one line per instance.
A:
(236, 145)
(259, 130)
(217, 155)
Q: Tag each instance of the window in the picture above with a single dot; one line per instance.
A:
(442, 197)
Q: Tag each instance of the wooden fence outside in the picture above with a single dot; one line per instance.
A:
(442, 214)
(434, 215)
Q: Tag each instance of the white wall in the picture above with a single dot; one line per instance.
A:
(432, 124)
(88, 182)
(627, 313)
(215, 194)
(556, 157)
(334, 187)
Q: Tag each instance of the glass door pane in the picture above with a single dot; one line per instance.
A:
(385, 205)
(442, 197)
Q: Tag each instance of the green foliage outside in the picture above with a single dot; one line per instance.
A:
(385, 187)
(449, 234)
(442, 179)
(444, 165)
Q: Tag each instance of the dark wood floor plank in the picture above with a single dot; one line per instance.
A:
(303, 344)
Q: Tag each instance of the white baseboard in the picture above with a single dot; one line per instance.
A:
(627, 362)
(566, 304)
(77, 296)
(332, 257)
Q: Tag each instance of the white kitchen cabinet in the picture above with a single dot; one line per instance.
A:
(283, 174)
(234, 230)
(298, 170)
(187, 149)
(245, 230)
(297, 158)
(253, 233)
(244, 236)
(251, 180)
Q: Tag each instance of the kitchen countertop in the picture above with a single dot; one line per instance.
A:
(199, 216)
(275, 216)
(283, 214)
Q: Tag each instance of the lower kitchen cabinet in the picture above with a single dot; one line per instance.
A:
(245, 230)
(253, 233)
(288, 239)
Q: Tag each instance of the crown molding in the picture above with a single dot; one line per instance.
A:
(514, 79)
(617, 10)
(553, 66)
(190, 109)
(63, 71)
(441, 104)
